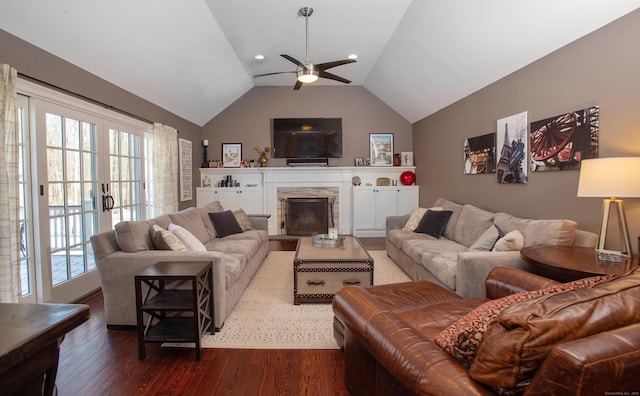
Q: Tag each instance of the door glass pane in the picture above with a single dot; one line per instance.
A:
(72, 193)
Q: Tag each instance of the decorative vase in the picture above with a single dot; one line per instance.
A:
(263, 159)
(407, 178)
(396, 160)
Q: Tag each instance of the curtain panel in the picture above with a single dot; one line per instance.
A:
(165, 163)
(9, 185)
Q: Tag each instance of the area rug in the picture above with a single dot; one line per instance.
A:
(266, 318)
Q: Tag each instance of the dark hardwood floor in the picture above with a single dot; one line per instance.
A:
(97, 361)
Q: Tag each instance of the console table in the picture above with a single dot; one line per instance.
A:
(198, 300)
(29, 345)
(569, 263)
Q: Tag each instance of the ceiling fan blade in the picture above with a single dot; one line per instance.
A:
(330, 76)
(297, 86)
(293, 60)
(271, 74)
(329, 65)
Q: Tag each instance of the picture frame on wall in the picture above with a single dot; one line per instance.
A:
(231, 155)
(381, 149)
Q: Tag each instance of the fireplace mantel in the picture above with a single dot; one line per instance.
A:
(263, 183)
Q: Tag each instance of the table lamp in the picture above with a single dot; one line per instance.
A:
(611, 178)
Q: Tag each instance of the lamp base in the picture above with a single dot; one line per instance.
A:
(610, 256)
(626, 250)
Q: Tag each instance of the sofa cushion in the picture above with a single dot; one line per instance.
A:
(443, 265)
(472, 223)
(515, 346)
(191, 219)
(416, 216)
(243, 219)
(487, 240)
(453, 220)
(512, 241)
(165, 240)
(225, 223)
(188, 239)
(415, 247)
(133, 236)
(433, 222)
(539, 232)
(462, 338)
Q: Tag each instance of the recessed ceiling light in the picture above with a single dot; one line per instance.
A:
(259, 57)
(353, 56)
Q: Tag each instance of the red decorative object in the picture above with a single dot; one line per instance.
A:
(407, 178)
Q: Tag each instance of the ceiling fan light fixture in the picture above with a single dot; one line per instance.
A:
(307, 76)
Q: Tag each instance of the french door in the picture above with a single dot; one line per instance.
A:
(88, 176)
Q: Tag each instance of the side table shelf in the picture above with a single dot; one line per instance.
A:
(166, 308)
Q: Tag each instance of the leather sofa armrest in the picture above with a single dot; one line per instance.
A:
(503, 281)
(418, 363)
(396, 222)
(474, 267)
(604, 363)
(259, 221)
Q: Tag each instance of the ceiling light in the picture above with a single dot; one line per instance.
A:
(353, 56)
(259, 57)
(307, 76)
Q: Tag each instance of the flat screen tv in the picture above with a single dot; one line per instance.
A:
(307, 137)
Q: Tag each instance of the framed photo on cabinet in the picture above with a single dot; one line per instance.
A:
(381, 149)
(231, 155)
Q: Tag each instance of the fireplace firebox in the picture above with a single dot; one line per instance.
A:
(308, 216)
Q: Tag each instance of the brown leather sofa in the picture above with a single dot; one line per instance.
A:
(387, 333)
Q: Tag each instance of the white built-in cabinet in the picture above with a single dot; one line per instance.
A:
(232, 198)
(244, 192)
(362, 209)
(372, 205)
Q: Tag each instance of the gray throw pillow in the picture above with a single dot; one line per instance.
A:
(225, 223)
(434, 222)
(487, 240)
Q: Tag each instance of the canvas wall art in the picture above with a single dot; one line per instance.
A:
(480, 154)
(562, 142)
(511, 141)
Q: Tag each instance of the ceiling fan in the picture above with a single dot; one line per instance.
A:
(307, 72)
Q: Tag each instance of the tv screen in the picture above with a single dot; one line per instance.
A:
(307, 137)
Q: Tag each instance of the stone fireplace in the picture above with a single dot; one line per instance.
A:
(305, 211)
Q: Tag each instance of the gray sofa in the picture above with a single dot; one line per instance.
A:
(124, 251)
(449, 262)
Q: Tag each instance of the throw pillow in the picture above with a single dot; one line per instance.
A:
(187, 238)
(416, 216)
(133, 236)
(487, 240)
(511, 241)
(225, 223)
(242, 219)
(462, 338)
(434, 222)
(165, 240)
(514, 347)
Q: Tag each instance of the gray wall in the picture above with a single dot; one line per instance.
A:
(34, 62)
(599, 69)
(248, 120)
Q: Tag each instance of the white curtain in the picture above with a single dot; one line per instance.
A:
(9, 205)
(165, 163)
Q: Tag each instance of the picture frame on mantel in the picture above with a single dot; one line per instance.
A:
(231, 155)
(381, 149)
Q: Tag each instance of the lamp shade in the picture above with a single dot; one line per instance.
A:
(610, 177)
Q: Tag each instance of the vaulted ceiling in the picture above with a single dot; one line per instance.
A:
(196, 57)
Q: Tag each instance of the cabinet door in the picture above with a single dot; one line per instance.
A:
(385, 206)
(250, 200)
(205, 195)
(228, 197)
(364, 204)
(407, 200)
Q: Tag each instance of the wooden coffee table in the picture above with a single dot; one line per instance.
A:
(568, 263)
(320, 272)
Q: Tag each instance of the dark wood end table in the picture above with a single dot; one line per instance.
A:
(198, 300)
(29, 346)
(569, 263)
